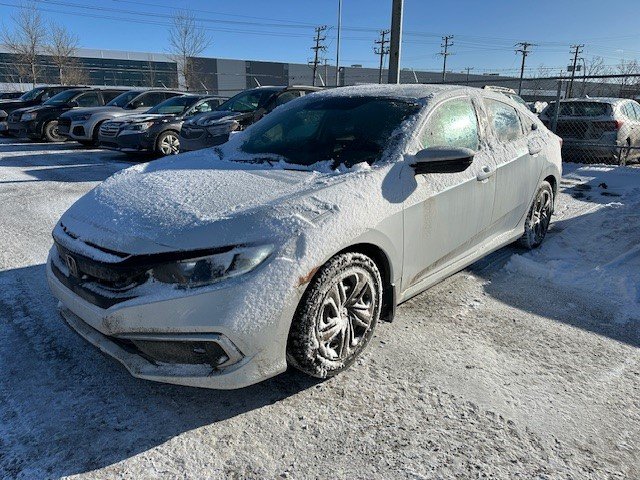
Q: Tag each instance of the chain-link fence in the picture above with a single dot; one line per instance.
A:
(597, 116)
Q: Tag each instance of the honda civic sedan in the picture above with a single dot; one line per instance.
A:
(288, 244)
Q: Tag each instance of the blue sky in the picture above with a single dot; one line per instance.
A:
(282, 30)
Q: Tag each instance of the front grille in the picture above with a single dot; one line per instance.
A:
(110, 129)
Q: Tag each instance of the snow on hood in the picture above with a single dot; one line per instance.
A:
(181, 202)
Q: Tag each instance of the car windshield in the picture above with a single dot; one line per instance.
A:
(123, 99)
(174, 106)
(581, 109)
(62, 97)
(31, 94)
(246, 101)
(347, 130)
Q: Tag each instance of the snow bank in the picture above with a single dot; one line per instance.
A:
(597, 253)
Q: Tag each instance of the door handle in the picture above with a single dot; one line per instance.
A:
(485, 174)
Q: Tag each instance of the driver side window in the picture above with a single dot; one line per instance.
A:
(453, 124)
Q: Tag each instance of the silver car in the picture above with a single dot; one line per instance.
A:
(83, 124)
(597, 129)
(287, 244)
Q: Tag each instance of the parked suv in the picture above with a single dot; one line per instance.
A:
(157, 130)
(597, 129)
(83, 124)
(37, 96)
(41, 122)
(237, 113)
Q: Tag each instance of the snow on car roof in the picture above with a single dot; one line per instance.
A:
(410, 92)
(611, 100)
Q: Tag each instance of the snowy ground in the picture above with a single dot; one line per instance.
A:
(522, 366)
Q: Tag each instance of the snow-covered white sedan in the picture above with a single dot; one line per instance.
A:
(286, 245)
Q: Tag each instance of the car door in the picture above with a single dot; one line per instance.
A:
(446, 216)
(634, 131)
(518, 150)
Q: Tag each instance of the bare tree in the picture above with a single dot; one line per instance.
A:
(186, 41)
(149, 75)
(26, 41)
(62, 49)
(630, 70)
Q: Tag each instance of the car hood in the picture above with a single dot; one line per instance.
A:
(147, 117)
(92, 110)
(11, 104)
(193, 201)
(221, 115)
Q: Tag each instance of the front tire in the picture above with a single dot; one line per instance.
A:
(51, 134)
(537, 223)
(168, 143)
(336, 317)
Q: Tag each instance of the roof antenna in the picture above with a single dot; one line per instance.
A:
(257, 82)
(206, 90)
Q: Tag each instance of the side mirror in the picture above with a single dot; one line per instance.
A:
(442, 160)
(259, 113)
(135, 104)
(74, 104)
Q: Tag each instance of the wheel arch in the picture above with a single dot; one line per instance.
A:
(383, 262)
(553, 181)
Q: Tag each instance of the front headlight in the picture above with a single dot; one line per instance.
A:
(27, 117)
(196, 272)
(139, 127)
(81, 117)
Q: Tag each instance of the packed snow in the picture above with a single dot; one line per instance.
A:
(525, 365)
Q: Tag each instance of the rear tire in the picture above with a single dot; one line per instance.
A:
(336, 316)
(50, 132)
(537, 223)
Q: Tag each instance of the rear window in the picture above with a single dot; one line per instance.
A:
(583, 109)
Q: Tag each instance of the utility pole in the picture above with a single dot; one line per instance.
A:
(396, 41)
(468, 69)
(576, 50)
(338, 44)
(445, 53)
(319, 47)
(382, 51)
(326, 72)
(524, 50)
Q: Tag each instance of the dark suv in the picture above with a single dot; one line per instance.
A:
(41, 122)
(33, 97)
(237, 113)
(155, 131)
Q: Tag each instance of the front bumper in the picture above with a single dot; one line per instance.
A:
(4, 128)
(198, 138)
(22, 129)
(130, 142)
(257, 338)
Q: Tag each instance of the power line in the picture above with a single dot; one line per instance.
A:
(445, 53)
(382, 51)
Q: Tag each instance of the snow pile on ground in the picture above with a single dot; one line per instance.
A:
(597, 253)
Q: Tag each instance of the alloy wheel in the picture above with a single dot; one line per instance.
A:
(540, 216)
(346, 315)
(170, 145)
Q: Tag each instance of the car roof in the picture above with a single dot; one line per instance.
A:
(611, 100)
(411, 92)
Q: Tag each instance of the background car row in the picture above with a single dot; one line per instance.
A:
(138, 121)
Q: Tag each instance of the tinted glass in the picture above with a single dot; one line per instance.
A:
(287, 97)
(345, 130)
(62, 97)
(248, 101)
(505, 121)
(122, 99)
(109, 95)
(32, 94)
(452, 124)
(583, 109)
(174, 106)
(205, 106)
(150, 99)
(90, 99)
